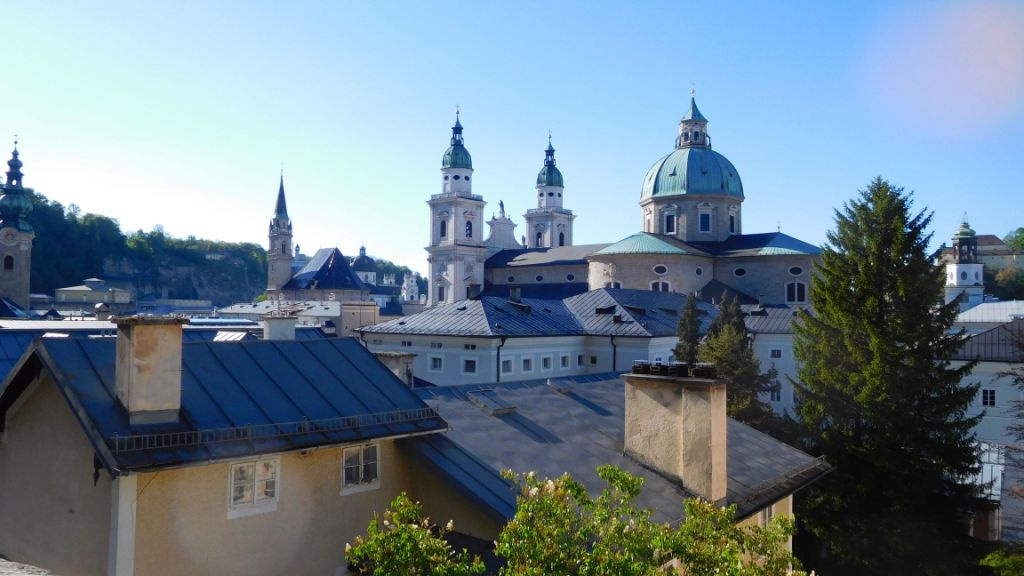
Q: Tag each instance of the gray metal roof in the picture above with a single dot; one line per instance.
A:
(238, 399)
(575, 425)
(992, 312)
(625, 312)
(1000, 344)
(770, 319)
(768, 244)
(327, 269)
(558, 255)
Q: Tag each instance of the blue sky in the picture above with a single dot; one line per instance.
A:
(183, 114)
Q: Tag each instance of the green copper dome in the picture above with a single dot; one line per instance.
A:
(693, 168)
(692, 171)
(456, 156)
(964, 231)
(550, 175)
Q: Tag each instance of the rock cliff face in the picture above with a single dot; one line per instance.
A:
(221, 279)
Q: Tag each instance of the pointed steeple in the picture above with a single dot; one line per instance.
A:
(14, 168)
(281, 210)
(550, 175)
(693, 126)
(456, 156)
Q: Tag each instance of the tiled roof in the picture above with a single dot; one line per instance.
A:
(559, 255)
(238, 399)
(326, 270)
(575, 426)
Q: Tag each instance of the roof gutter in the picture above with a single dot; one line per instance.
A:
(497, 365)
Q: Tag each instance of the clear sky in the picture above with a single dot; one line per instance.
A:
(182, 114)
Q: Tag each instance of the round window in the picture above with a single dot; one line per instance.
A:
(467, 178)
(963, 275)
(739, 272)
(796, 270)
(551, 193)
(446, 178)
(700, 271)
(511, 279)
(570, 277)
(540, 278)
(456, 177)
(541, 195)
(660, 269)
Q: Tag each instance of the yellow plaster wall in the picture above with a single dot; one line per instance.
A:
(183, 528)
(51, 514)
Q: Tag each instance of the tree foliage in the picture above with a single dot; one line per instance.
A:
(1015, 239)
(879, 399)
(729, 350)
(559, 528)
(405, 542)
(688, 331)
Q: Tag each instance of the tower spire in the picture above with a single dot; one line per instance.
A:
(281, 209)
(14, 167)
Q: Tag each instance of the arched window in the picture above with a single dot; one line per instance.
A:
(469, 229)
(660, 286)
(796, 293)
(561, 238)
(284, 247)
(440, 293)
(539, 237)
(8, 262)
(444, 229)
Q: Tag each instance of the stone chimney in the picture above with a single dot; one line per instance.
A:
(677, 425)
(148, 368)
(279, 327)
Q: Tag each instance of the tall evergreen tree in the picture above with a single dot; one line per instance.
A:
(879, 398)
(729, 314)
(729, 350)
(688, 331)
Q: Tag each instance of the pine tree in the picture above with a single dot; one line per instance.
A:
(729, 350)
(729, 314)
(879, 399)
(688, 332)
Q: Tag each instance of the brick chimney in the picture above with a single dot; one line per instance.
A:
(279, 327)
(677, 426)
(148, 367)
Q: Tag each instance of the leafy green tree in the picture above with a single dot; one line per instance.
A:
(1015, 239)
(729, 350)
(559, 528)
(404, 542)
(1006, 561)
(880, 400)
(688, 331)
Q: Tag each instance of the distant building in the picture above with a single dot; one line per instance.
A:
(93, 291)
(16, 235)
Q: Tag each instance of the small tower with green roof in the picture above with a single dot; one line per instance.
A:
(16, 235)
(549, 224)
(965, 275)
(457, 250)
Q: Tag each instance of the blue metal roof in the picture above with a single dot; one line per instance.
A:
(326, 270)
(238, 398)
(487, 316)
(575, 425)
(767, 244)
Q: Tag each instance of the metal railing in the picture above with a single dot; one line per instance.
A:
(167, 440)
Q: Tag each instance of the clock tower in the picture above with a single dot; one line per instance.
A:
(16, 235)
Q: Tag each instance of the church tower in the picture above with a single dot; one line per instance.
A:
(457, 250)
(965, 275)
(549, 224)
(16, 235)
(279, 244)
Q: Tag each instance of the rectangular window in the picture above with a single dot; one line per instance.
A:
(440, 293)
(579, 359)
(469, 366)
(545, 362)
(527, 364)
(593, 360)
(796, 292)
(564, 360)
(776, 353)
(436, 364)
(469, 347)
(435, 345)
(705, 222)
(776, 392)
(407, 343)
(988, 397)
(506, 366)
(732, 223)
(253, 488)
(359, 469)
(670, 224)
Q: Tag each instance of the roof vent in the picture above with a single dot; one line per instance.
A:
(521, 307)
(617, 319)
(605, 309)
(489, 401)
(557, 386)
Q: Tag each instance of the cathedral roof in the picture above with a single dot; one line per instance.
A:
(647, 243)
(693, 168)
(328, 269)
(364, 263)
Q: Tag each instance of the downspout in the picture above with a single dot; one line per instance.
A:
(614, 353)
(497, 367)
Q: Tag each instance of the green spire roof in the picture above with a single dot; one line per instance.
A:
(550, 175)
(15, 204)
(456, 156)
(694, 113)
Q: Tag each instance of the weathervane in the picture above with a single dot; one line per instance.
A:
(693, 89)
